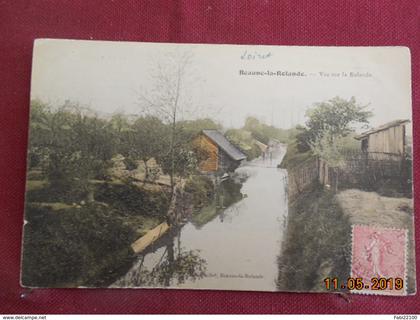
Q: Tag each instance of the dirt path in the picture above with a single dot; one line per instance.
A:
(369, 208)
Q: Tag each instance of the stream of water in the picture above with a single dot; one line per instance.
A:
(236, 250)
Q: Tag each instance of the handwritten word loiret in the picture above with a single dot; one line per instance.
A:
(255, 55)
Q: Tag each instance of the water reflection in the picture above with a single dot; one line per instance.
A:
(228, 192)
(231, 244)
(174, 266)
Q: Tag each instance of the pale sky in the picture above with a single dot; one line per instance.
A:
(107, 76)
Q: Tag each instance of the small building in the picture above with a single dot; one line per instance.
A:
(388, 138)
(216, 153)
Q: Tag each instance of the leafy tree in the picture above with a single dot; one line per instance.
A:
(263, 132)
(244, 140)
(190, 128)
(336, 116)
(146, 139)
(72, 144)
(328, 123)
(40, 124)
(51, 136)
(304, 138)
(327, 151)
(168, 100)
(252, 124)
(93, 141)
(119, 122)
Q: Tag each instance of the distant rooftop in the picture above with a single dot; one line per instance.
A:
(385, 126)
(224, 144)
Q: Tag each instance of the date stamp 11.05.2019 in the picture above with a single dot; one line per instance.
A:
(379, 252)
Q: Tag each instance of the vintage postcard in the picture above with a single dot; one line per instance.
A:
(231, 167)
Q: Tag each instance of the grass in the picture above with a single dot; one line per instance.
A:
(317, 243)
(86, 245)
(369, 208)
(318, 237)
(139, 224)
(79, 243)
(294, 158)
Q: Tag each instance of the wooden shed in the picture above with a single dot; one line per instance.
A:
(217, 154)
(387, 138)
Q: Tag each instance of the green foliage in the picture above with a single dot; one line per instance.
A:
(303, 138)
(146, 138)
(186, 265)
(253, 131)
(174, 267)
(294, 157)
(336, 116)
(130, 163)
(348, 143)
(130, 200)
(46, 192)
(326, 148)
(202, 190)
(328, 131)
(74, 246)
(263, 132)
(71, 144)
(85, 244)
(191, 128)
(182, 160)
(185, 158)
(245, 141)
(317, 243)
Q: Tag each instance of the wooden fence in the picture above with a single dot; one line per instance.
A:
(362, 170)
(368, 171)
(302, 177)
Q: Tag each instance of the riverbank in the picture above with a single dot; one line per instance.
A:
(70, 242)
(317, 243)
(318, 237)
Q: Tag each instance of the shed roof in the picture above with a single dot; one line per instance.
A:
(224, 144)
(385, 126)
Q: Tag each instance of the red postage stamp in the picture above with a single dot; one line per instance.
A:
(379, 258)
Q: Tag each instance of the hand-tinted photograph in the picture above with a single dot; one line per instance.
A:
(230, 167)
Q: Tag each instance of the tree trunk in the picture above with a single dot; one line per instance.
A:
(172, 173)
(174, 118)
(146, 171)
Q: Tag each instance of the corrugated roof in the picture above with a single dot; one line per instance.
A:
(224, 144)
(385, 126)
